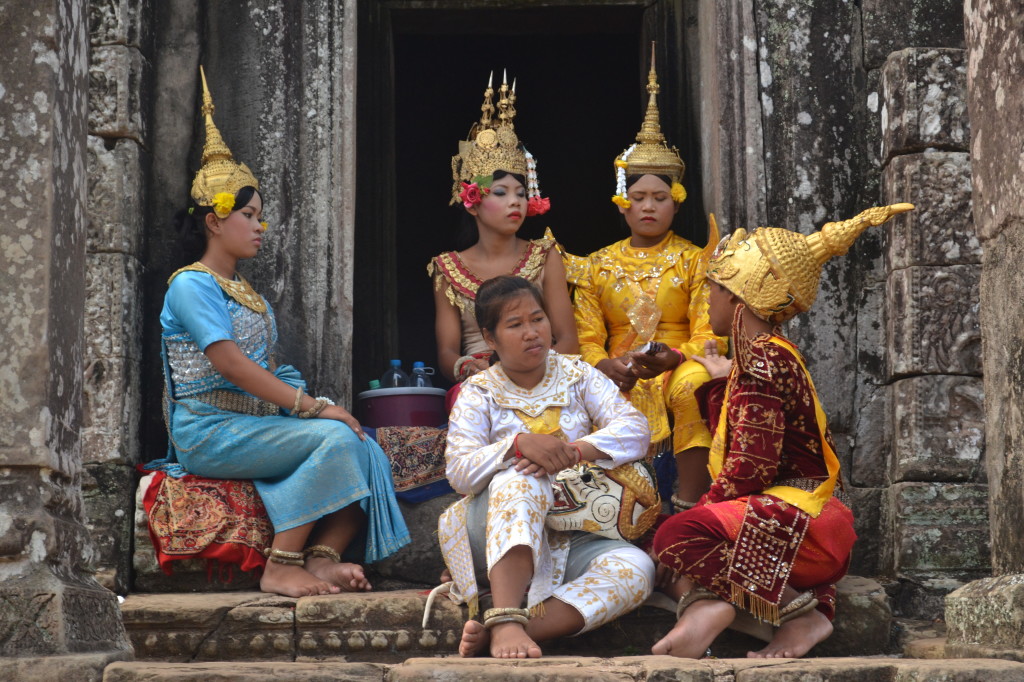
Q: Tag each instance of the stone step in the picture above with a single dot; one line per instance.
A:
(566, 669)
(386, 627)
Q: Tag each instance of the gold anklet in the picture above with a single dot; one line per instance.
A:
(323, 551)
(280, 556)
(510, 618)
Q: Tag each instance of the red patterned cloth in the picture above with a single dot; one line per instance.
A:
(203, 518)
(746, 546)
(416, 454)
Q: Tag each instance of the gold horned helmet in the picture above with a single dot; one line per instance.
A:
(219, 174)
(650, 154)
(776, 271)
(492, 145)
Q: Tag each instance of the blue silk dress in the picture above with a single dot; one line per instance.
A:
(303, 469)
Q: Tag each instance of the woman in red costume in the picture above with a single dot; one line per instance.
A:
(773, 534)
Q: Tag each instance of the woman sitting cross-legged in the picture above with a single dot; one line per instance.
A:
(513, 428)
(232, 413)
(773, 534)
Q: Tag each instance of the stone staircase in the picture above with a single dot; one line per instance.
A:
(379, 636)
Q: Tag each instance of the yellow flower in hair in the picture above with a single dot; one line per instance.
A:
(223, 204)
(678, 193)
(263, 224)
(619, 163)
(622, 201)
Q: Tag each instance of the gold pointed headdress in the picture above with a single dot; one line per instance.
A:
(650, 154)
(776, 271)
(218, 173)
(492, 145)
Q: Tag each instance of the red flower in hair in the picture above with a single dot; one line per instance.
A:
(538, 206)
(472, 194)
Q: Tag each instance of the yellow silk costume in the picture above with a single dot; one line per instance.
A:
(608, 284)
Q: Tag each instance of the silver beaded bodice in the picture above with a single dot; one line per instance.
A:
(192, 372)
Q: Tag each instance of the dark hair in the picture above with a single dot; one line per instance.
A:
(632, 179)
(493, 294)
(190, 223)
(469, 233)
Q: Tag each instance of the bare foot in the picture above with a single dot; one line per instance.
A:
(293, 581)
(797, 637)
(475, 638)
(696, 630)
(509, 640)
(348, 577)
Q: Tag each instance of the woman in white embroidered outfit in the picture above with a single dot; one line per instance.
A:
(495, 179)
(514, 427)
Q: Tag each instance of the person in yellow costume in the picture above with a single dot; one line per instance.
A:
(651, 287)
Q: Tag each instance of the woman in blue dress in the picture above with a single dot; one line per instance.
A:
(232, 413)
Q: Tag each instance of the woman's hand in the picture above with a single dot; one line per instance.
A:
(716, 365)
(475, 365)
(647, 366)
(339, 413)
(617, 370)
(663, 575)
(543, 454)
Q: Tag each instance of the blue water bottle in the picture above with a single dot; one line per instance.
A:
(421, 375)
(394, 377)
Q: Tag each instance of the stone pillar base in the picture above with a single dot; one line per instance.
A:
(985, 619)
(79, 667)
(48, 616)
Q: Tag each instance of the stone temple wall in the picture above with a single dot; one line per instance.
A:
(862, 104)
(120, 101)
(811, 111)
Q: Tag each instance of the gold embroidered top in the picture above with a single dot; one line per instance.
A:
(460, 285)
(609, 283)
(238, 289)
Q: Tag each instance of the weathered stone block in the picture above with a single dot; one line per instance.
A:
(986, 618)
(116, 190)
(121, 22)
(420, 562)
(924, 101)
(923, 599)
(107, 493)
(940, 528)
(113, 306)
(234, 671)
(174, 627)
(933, 325)
(939, 428)
(112, 411)
(940, 231)
(375, 626)
(891, 25)
(119, 84)
(872, 543)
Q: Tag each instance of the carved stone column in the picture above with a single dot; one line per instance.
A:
(986, 617)
(49, 604)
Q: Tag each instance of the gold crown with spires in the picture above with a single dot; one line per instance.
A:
(651, 153)
(218, 173)
(776, 271)
(492, 144)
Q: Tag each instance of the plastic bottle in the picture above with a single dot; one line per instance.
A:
(420, 375)
(394, 377)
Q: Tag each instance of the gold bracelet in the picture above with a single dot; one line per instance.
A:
(323, 551)
(492, 613)
(280, 556)
(298, 400)
(314, 411)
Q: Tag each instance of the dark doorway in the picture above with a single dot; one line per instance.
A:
(580, 70)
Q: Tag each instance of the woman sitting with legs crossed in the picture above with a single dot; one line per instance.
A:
(513, 428)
